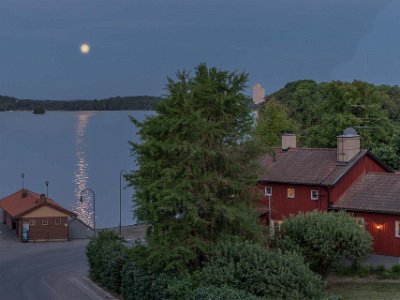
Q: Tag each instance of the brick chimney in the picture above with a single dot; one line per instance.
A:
(348, 145)
(43, 198)
(288, 141)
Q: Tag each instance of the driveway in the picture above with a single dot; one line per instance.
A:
(52, 270)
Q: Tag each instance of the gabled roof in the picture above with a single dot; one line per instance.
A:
(18, 205)
(375, 192)
(311, 166)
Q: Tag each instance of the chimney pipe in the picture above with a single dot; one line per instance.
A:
(348, 145)
(288, 141)
(43, 198)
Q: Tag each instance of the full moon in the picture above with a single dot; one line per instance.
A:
(85, 48)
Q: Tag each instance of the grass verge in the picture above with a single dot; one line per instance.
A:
(366, 290)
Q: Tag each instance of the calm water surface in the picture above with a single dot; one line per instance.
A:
(73, 151)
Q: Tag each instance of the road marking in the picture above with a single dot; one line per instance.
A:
(59, 296)
(98, 294)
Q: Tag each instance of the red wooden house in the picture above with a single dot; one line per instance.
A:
(347, 178)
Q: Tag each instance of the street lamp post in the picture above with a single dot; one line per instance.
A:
(122, 172)
(94, 206)
(22, 180)
(268, 194)
(269, 216)
(47, 188)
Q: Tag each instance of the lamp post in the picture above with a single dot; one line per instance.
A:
(268, 194)
(94, 205)
(47, 188)
(122, 172)
(22, 180)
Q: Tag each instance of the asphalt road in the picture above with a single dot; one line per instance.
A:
(41, 271)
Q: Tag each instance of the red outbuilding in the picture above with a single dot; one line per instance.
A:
(347, 178)
(35, 217)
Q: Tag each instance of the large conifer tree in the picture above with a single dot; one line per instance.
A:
(196, 166)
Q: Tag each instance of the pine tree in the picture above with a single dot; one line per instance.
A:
(197, 164)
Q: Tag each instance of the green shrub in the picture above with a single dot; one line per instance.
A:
(249, 267)
(94, 252)
(138, 283)
(219, 293)
(396, 269)
(377, 270)
(333, 297)
(113, 257)
(322, 238)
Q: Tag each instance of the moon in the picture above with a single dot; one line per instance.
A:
(85, 48)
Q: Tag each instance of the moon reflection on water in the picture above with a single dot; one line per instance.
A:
(84, 208)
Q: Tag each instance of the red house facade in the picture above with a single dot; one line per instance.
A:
(347, 178)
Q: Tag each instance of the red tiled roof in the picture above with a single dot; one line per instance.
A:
(16, 205)
(375, 192)
(311, 166)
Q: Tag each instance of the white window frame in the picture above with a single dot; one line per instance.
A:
(397, 229)
(268, 191)
(275, 224)
(294, 193)
(45, 222)
(360, 221)
(59, 221)
(312, 196)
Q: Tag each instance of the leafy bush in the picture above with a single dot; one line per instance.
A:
(322, 238)
(94, 252)
(333, 297)
(396, 269)
(138, 283)
(113, 258)
(220, 293)
(106, 256)
(249, 267)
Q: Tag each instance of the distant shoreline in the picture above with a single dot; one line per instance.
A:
(110, 104)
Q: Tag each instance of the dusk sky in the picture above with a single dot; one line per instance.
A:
(136, 44)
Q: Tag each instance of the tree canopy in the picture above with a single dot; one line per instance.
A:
(197, 162)
(321, 111)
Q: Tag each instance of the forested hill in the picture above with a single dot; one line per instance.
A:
(115, 103)
(318, 112)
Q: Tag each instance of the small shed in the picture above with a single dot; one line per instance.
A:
(35, 217)
(79, 230)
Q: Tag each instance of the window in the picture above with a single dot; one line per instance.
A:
(268, 191)
(45, 222)
(314, 194)
(32, 222)
(275, 226)
(397, 229)
(290, 193)
(360, 221)
(58, 221)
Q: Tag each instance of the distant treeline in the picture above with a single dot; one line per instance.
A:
(318, 112)
(115, 103)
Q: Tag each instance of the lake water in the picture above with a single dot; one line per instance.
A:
(73, 151)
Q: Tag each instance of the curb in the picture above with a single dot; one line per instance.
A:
(104, 294)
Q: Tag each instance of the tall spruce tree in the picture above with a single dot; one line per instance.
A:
(197, 164)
